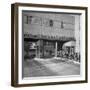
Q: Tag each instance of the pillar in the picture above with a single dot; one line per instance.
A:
(55, 49)
(36, 53)
(38, 49)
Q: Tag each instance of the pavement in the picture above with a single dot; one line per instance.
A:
(50, 67)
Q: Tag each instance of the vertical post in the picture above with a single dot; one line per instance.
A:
(55, 49)
(43, 49)
(38, 49)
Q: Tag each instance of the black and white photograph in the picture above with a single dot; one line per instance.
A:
(50, 44)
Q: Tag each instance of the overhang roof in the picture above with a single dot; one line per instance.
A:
(52, 38)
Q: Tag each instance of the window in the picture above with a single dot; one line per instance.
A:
(26, 19)
(62, 26)
(29, 19)
(51, 23)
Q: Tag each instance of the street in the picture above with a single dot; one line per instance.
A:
(38, 68)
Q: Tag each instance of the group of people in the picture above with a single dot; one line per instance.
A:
(69, 53)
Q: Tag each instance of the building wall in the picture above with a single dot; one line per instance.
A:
(40, 24)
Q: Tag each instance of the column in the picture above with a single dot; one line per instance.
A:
(37, 52)
(38, 49)
(43, 49)
(55, 49)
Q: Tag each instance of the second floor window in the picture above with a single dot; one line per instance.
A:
(50, 23)
(29, 19)
(62, 26)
